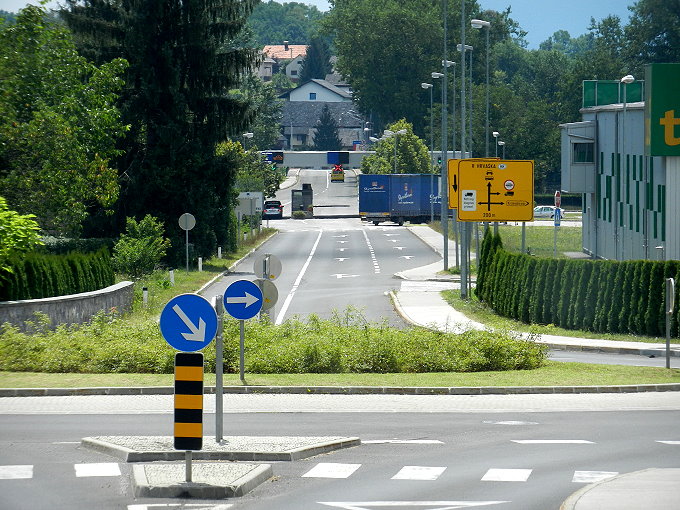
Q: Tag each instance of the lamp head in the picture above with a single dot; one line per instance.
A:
(479, 23)
(426, 85)
(629, 78)
(495, 134)
(437, 75)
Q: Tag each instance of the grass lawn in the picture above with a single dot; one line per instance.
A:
(552, 374)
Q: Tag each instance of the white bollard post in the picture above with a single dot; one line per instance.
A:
(200, 264)
(145, 296)
(219, 252)
(172, 277)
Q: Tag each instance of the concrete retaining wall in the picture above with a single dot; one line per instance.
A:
(72, 309)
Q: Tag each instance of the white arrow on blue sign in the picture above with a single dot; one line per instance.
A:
(243, 300)
(188, 322)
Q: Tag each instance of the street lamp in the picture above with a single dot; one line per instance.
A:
(463, 48)
(479, 24)
(430, 86)
(389, 134)
(496, 134)
(502, 144)
(450, 63)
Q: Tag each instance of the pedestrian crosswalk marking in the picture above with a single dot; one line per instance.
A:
(331, 470)
(419, 473)
(507, 475)
(17, 472)
(592, 476)
(97, 469)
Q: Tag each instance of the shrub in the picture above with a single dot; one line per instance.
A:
(141, 248)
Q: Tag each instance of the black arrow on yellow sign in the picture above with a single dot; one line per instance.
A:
(455, 183)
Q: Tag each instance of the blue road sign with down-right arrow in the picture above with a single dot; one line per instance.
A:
(243, 300)
(188, 322)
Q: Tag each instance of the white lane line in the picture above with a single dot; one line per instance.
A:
(17, 472)
(551, 441)
(331, 470)
(97, 469)
(289, 298)
(419, 473)
(669, 442)
(65, 442)
(203, 506)
(506, 475)
(592, 476)
(402, 441)
(376, 266)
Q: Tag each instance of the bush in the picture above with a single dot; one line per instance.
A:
(141, 248)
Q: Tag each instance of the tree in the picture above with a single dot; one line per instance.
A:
(18, 233)
(653, 33)
(58, 124)
(184, 59)
(411, 152)
(255, 173)
(141, 248)
(266, 105)
(275, 22)
(316, 63)
(326, 136)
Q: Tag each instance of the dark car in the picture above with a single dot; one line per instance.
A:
(272, 209)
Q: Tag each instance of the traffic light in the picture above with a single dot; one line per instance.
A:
(439, 160)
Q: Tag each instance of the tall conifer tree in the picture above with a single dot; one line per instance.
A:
(326, 137)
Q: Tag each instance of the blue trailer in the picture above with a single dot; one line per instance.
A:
(399, 197)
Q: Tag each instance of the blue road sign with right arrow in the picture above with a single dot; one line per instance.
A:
(188, 322)
(243, 300)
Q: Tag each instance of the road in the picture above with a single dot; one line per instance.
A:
(527, 451)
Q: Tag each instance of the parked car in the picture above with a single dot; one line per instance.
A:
(547, 211)
(272, 209)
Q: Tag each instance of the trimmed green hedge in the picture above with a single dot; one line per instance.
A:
(36, 275)
(603, 296)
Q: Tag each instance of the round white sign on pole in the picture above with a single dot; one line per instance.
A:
(558, 199)
(267, 266)
(270, 294)
(187, 221)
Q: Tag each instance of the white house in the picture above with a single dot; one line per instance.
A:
(320, 91)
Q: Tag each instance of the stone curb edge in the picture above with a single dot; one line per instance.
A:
(241, 486)
(344, 390)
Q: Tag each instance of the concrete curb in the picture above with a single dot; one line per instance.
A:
(205, 478)
(345, 390)
(288, 455)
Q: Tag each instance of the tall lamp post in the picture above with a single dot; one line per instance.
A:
(502, 144)
(388, 134)
(496, 134)
(430, 86)
(626, 80)
(246, 136)
(479, 24)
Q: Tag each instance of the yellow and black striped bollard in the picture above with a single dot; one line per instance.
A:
(188, 401)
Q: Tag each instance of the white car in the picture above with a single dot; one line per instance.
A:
(547, 211)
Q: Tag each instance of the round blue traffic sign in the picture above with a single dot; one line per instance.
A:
(243, 300)
(188, 322)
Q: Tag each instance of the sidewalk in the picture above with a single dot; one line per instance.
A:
(427, 308)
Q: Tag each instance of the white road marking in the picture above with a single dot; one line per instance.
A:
(669, 442)
(551, 441)
(331, 470)
(374, 259)
(507, 475)
(511, 422)
(393, 240)
(344, 235)
(65, 442)
(592, 476)
(17, 472)
(296, 284)
(402, 441)
(398, 247)
(340, 275)
(419, 473)
(430, 505)
(407, 257)
(97, 469)
(391, 235)
(341, 242)
(342, 249)
(341, 259)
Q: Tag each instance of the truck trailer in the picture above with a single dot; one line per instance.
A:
(399, 197)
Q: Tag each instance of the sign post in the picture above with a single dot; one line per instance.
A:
(670, 305)
(187, 222)
(219, 370)
(243, 301)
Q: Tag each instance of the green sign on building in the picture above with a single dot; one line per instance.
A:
(662, 109)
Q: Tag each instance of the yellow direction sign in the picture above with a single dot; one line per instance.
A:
(454, 181)
(500, 190)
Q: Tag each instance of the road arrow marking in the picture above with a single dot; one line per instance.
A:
(339, 275)
(248, 300)
(341, 259)
(407, 257)
(197, 333)
(398, 247)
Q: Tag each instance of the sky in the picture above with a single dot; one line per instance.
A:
(540, 18)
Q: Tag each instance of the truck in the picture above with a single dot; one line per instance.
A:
(399, 197)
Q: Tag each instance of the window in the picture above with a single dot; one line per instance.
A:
(584, 153)
(293, 72)
(312, 96)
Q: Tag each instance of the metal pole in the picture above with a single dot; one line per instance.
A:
(670, 304)
(242, 357)
(524, 237)
(444, 177)
(464, 244)
(186, 242)
(453, 112)
(187, 459)
(470, 108)
(431, 156)
(219, 369)
(486, 152)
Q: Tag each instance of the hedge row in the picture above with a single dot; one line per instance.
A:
(603, 296)
(35, 275)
